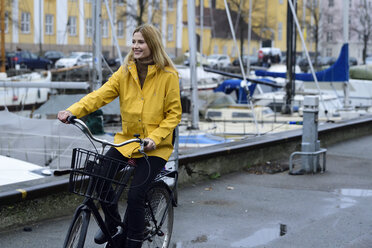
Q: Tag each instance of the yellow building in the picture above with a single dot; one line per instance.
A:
(66, 25)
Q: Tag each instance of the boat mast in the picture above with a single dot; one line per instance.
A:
(192, 57)
(201, 25)
(346, 40)
(249, 38)
(291, 57)
(114, 36)
(2, 16)
(97, 61)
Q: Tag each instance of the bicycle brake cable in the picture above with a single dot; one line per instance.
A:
(148, 174)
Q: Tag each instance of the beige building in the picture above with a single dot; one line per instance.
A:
(66, 25)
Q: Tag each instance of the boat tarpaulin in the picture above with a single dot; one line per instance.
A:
(234, 85)
(338, 72)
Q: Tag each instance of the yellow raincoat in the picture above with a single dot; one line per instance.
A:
(153, 111)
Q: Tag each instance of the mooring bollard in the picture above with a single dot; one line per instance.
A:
(310, 146)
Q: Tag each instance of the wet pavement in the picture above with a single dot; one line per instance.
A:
(333, 209)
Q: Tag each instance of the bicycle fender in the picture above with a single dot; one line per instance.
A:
(164, 185)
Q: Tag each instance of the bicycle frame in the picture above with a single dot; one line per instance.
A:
(90, 206)
(158, 180)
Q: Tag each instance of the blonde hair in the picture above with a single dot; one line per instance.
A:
(153, 40)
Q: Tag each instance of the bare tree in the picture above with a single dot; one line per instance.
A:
(241, 20)
(313, 25)
(361, 25)
(139, 11)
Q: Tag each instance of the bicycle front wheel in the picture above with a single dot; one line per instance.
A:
(158, 218)
(78, 230)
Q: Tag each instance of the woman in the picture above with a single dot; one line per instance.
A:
(148, 88)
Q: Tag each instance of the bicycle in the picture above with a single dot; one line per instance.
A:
(86, 180)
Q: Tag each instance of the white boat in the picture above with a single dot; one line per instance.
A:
(335, 80)
(23, 98)
(15, 170)
(206, 80)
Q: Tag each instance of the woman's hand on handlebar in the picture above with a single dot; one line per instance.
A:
(63, 115)
(149, 144)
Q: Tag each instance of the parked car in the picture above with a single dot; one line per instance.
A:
(53, 55)
(110, 61)
(253, 60)
(75, 59)
(201, 59)
(219, 61)
(304, 64)
(28, 60)
(353, 61)
(283, 59)
(369, 61)
(327, 61)
(8, 62)
(269, 55)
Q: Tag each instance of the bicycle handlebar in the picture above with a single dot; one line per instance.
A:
(85, 129)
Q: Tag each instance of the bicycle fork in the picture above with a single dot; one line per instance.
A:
(91, 208)
(158, 227)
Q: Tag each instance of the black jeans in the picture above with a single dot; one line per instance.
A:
(135, 213)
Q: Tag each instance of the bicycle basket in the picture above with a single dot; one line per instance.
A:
(97, 176)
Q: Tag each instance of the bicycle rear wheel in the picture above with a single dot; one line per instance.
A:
(78, 230)
(158, 218)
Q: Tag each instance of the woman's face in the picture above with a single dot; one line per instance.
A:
(139, 46)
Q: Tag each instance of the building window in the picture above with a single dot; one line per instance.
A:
(170, 4)
(120, 2)
(88, 27)
(49, 24)
(156, 25)
(280, 31)
(214, 4)
(233, 52)
(224, 50)
(88, 1)
(329, 36)
(72, 25)
(215, 49)
(280, 1)
(25, 22)
(170, 32)
(120, 29)
(331, 3)
(105, 28)
(329, 52)
(156, 4)
(330, 19)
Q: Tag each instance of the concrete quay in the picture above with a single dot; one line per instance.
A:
(240, 208)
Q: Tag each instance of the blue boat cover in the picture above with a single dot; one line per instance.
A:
(338, 72)
(205, 139)
(233, 85)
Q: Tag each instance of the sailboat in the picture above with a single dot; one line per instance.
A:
(331, 82)
(19, 92)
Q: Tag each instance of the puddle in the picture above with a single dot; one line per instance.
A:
(346, 202)
(261, 237)
(355, 192)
